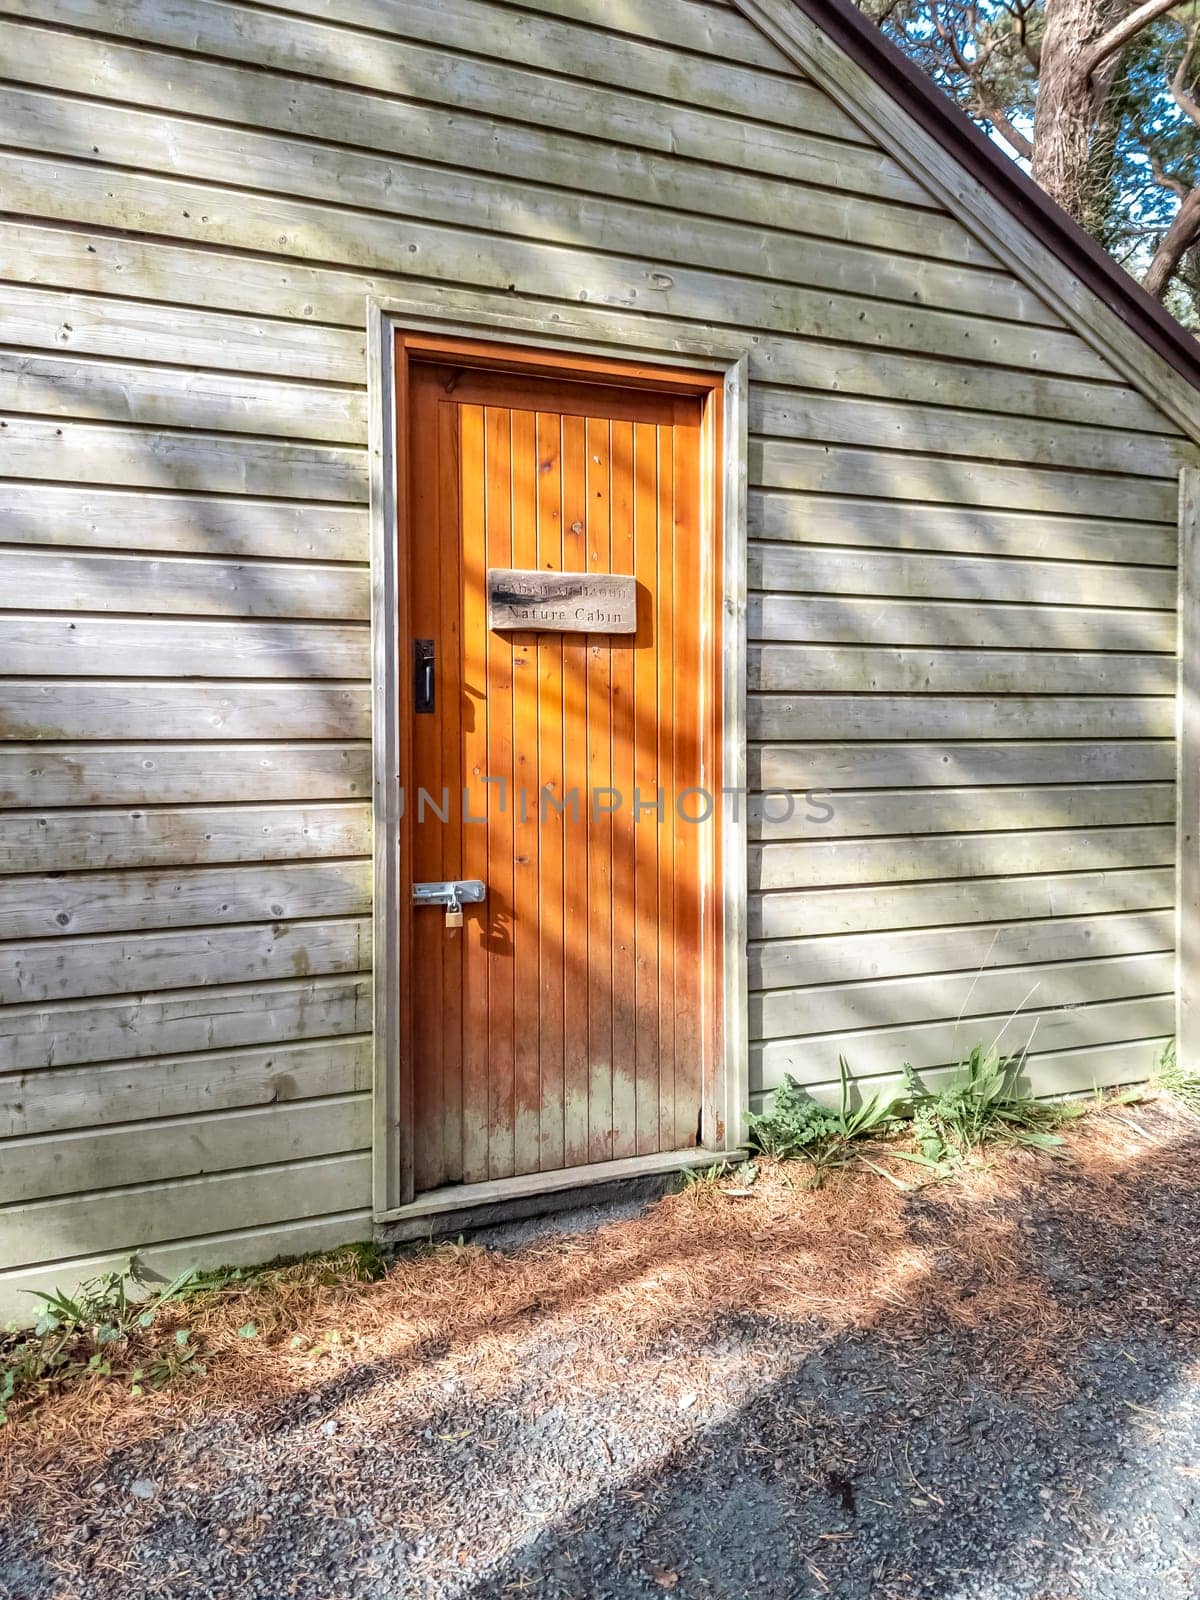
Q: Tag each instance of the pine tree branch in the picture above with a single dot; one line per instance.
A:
(1120, 34)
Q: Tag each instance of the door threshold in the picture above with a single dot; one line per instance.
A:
(442, 1211)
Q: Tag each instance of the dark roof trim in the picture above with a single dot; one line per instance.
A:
(995, 172)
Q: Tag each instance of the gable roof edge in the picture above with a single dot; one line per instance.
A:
(926, 133)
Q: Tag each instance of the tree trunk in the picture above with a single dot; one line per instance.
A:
(1066, 110)
(1180, 237)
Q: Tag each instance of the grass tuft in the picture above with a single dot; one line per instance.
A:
(1171, 1077)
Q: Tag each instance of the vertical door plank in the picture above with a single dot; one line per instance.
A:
(599, 800)
(666, 783)
(691, 835)
(426, 976)
(527, 1093)
(474, 703)
(575, 834)
(449, 718)
(647, 829)
(498, 463)
(624, 886)
(551, 948)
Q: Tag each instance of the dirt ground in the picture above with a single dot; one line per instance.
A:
(980, 1390)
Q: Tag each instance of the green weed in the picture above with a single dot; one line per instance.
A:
(103, 1325)
(982, 1105)
(1171, 1077)
(799, 1127)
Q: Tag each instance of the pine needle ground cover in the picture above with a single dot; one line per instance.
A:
(975, 1390)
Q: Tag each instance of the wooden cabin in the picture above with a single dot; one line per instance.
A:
(672, 402)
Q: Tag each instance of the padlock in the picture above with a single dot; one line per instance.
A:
(454, 917)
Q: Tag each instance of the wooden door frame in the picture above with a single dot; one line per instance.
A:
(531, 336)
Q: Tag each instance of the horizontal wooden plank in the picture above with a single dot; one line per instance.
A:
(174, 397)
(112, 519)
(930, 716)
(976, 386)
(95, 453)
(878, 1051)
(859, 668)
(32, 708)
(816, 864)
(861, 957)
(105, 648)
(977, 624)
(246, 1247)
(58, 257)
(929, 577)
(217, 1018)
(791, 414)
(181, 1086)
(38, 580)
(899, 766)
(947, 480)
(531, 79)
(163, 774)
(841, 814)
(885, 1002)
(946, 901)
(368, 247)
(94, 325)
(381, 187)
(116, 902)
(782, 515)
(86, 840)
(516, 150)
(1056, 1072)
(90, 1162)
(128, 963)
(65, 1229)
(703, 29)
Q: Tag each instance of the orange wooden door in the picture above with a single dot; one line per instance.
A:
(567, 1020)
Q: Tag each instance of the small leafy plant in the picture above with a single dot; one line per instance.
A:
(798, 1126)
(102, 1326)
(982, 1105)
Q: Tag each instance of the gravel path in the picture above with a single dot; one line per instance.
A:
(999, 1397)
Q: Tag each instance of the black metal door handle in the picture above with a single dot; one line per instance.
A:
(423, 677)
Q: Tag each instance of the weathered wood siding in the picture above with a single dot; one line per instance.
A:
(963, 535)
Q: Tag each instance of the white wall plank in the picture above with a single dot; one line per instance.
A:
(113, 519)
(44, 906)
(816, 864)
(841, 815)
(861, 957)
(33, 708)
(862, 668)
(899, 766)
(94, 325)
(179, 585)
(172, 397)
(217, 1018)
(877, 1051)
(950, 902)
(94, 647)
(73, 968)
(971, 624)
(58, 1230)
(164, 774)
(80, 841)
(85, 452)
(930, 716)
(180, 1086)
(99, 1159)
